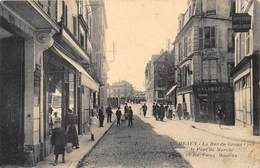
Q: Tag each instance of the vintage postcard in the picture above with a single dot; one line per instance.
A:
(130, 83)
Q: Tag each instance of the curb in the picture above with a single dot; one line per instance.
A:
(94, 145)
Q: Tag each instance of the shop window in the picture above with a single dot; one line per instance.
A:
(72, 91)
(160, 94)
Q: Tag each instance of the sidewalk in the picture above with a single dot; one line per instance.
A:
(72, 159)
(236, 133)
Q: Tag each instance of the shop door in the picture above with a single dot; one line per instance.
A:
(11, 99)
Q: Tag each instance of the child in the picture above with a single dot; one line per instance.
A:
(58, 140)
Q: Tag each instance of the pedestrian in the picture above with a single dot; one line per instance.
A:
(101, 117)
(144, 107)
(72, 135)
(109, 114)
(130, 117)
(179, 111)
(126, 108)
(161, 112)
(58, 140)
(220, 115)
(118, 116)
(157, 111)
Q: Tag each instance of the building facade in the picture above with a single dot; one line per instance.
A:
(159, 77)
(204, 59)
(98, 59)
(122, 90)
(246, 71)
(46, 71)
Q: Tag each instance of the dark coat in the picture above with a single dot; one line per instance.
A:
(130, 113)
(59, 140)
(73, 135)
(118, 113)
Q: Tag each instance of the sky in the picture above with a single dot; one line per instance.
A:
(138, 29)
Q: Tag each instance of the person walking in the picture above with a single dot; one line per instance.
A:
(126, 109)
(179, 111)
(58, 140)
(161, 112)
(101, 117)
(130, 117)
(71, 129)
(157, 111)
(109, 114)
(220, 115)
(118, 116)
(144, 107)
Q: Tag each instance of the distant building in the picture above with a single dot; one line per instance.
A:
(246, 72)
(139, 97)
(204, 58)
(159, 77)
(122, 90)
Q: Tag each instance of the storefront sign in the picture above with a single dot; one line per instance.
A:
(241, 22)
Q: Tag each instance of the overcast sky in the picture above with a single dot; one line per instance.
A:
(140, 28)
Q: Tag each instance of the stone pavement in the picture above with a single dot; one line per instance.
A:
(174, 143)
(73, 158)
(137, 146)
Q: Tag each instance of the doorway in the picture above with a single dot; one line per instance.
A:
(11, 99)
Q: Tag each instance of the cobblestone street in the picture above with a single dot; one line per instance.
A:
(150, 143)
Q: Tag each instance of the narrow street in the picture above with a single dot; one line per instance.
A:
(171, 143)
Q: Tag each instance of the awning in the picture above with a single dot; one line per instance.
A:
(171, 90)
(86, 79)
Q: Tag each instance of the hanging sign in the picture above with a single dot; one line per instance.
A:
(241, 22)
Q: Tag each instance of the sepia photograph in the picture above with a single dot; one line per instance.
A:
(129, 83)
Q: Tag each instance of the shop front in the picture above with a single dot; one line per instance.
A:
(61, 83)
(208, 97)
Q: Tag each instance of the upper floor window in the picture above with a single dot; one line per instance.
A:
(64, 13)
(211, 7)
(231, 40)
(209, 70)
(75, 25)
(81, 40)
(180, 51)
(247, 41)
(185, 47)
(233, 7)
(207, 37)
(189, 43)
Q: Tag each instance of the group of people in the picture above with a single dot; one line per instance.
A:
(61, 137)
(128, 115)
(159, 111)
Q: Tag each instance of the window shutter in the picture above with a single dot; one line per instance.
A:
(200, 38)
(207, 35)
(212, 37)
